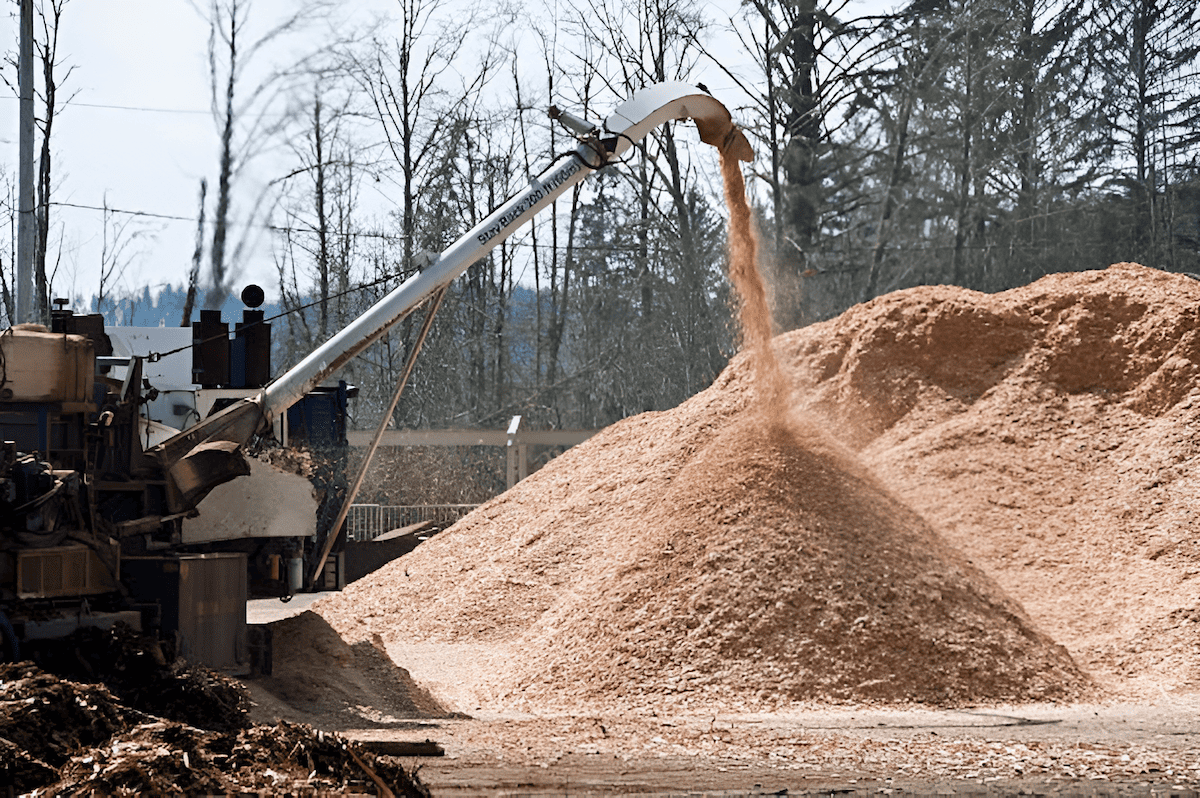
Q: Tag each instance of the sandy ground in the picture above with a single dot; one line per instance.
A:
(1096, 749)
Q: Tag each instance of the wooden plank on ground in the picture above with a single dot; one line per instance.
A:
(403, 531)
(425, 747)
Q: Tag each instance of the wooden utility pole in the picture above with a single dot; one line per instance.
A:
(26, 222)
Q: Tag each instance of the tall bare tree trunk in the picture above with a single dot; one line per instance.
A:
(189, 302)
(42, 213)
(215, 298)
(322, 219)
(1025, 122)
(966, 132)
(48, 52)
(883, 231)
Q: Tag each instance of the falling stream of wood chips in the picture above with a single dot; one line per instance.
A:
(754, 313)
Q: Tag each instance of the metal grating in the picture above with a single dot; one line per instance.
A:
(369, 521)
(61, 571)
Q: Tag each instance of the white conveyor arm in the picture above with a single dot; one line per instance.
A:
(207, 454)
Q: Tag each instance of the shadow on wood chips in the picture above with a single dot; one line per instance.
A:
(319, 677)
(118, 717)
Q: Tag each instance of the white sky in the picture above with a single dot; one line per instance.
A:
(139, 131)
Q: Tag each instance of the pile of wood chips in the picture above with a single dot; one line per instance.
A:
(953, 461)
(1050, 434)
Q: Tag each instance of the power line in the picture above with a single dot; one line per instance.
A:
(119, 210)
(142, 108)
(173, 218)
(286, 312)
(613, 247)
(285, 229)
(133, 108)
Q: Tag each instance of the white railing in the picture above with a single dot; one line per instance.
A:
(369, 521)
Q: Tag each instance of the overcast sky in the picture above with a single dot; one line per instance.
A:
(139, 131)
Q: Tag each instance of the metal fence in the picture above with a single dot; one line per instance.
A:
(369, 521)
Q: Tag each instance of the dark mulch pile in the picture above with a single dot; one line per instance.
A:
(144, 673)
(163, 727)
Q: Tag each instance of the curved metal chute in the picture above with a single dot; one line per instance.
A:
(633, 119)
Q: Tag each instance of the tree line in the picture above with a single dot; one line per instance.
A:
(982, 143)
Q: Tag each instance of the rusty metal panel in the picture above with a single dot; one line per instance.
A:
(41, 366)
(202, 599)
(212, 608)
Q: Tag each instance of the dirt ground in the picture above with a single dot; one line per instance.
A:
(1110, 748)
(1038, 749)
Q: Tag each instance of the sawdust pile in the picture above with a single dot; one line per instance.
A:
(721, 554)
(1050, 433)
(318, 678)
(1047, 433)
(695, 557)
(703, 557)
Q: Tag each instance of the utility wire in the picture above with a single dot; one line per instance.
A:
(511, 243)
(140, 108)
(173, 218)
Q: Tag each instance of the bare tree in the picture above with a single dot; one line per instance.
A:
(812, 61)
(121, 242)
(814, 113)
(572, 83)
(248, 112)
(50, 14)
(54, 74)
(918, 63)
(321, 198)
(423, 84)
(193, 283)
(8, 212)
(411, 82)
